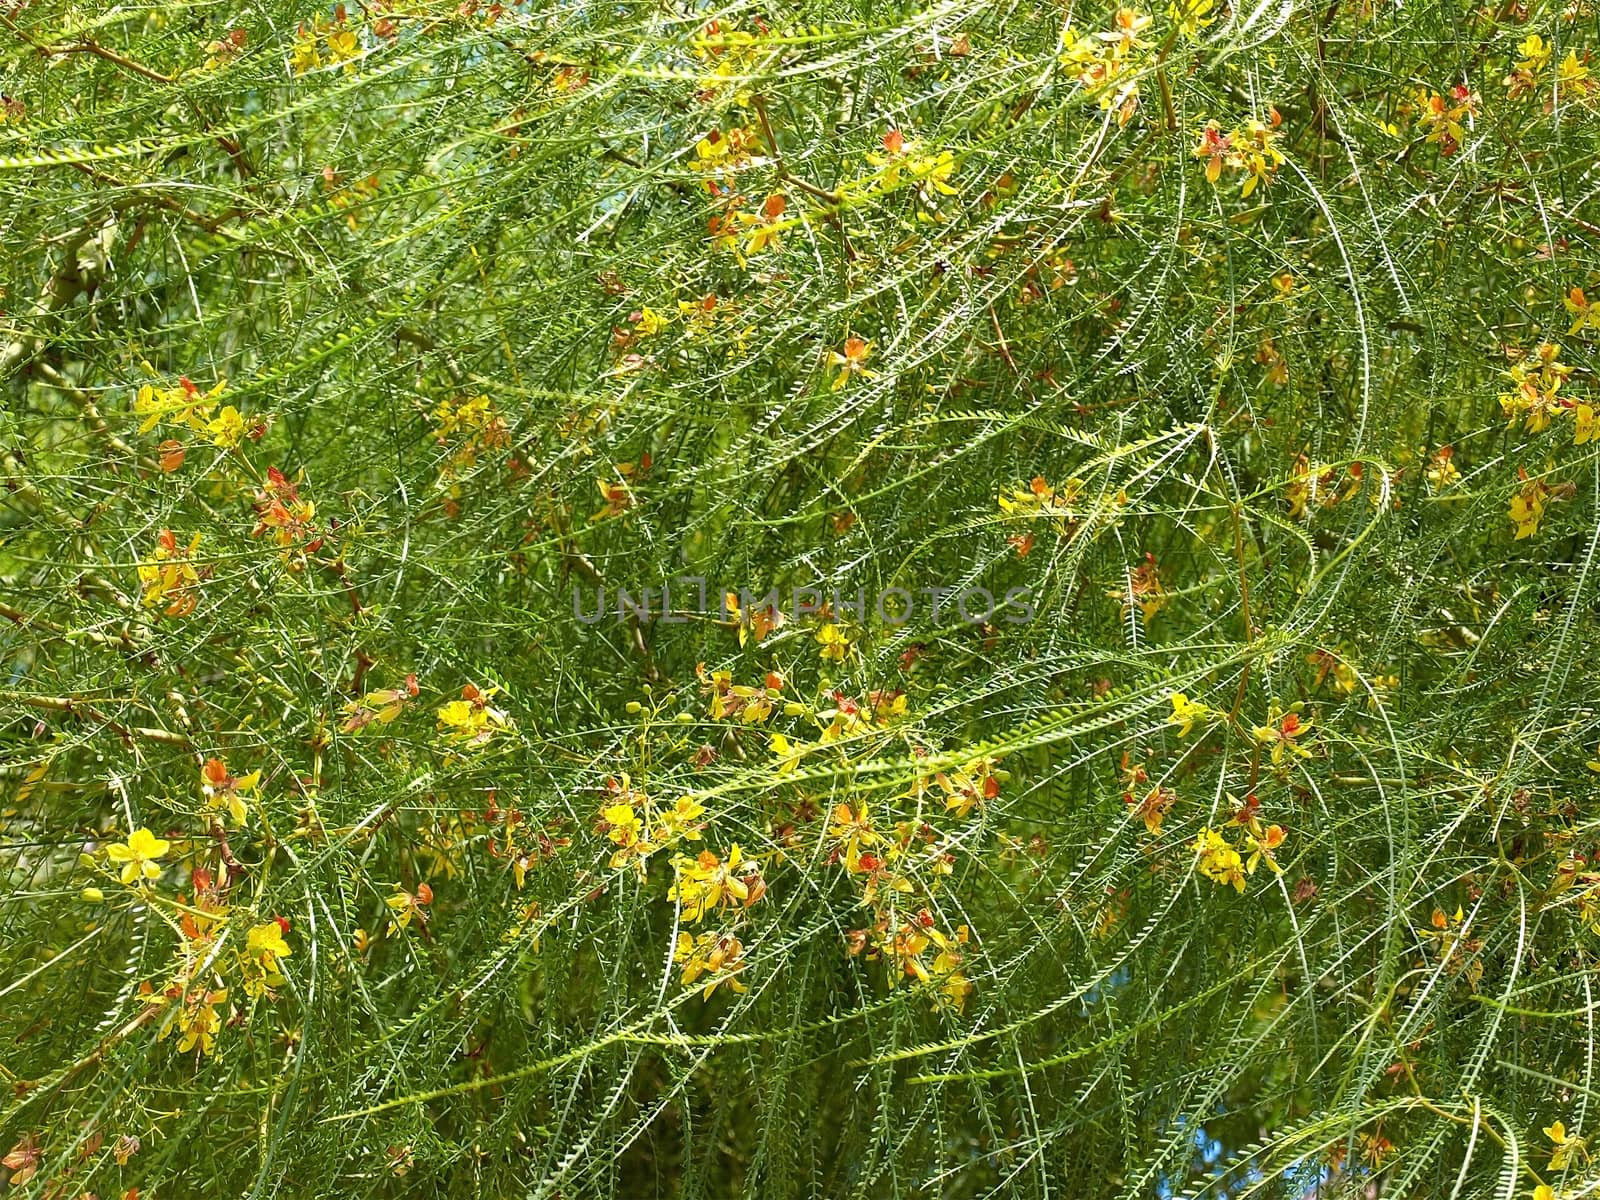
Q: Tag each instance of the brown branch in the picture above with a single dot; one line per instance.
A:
(1005, 349)
(225, 852)
(209, 224)
(99, 51)
(73, 706)
(835, 218)
(91, 412)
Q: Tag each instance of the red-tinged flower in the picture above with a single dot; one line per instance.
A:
(1152, 809)
(225, 793)
(170, 575)
(23, 1160)
(381, 706)
(280, 510)
(761, 232)
(1215, 148)
(172, 455)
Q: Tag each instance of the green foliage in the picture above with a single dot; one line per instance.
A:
(1249, 347)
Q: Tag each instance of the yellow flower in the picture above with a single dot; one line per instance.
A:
(650, 322)
(1260, 157)
(680, 821)
(1527, 507)
(1187, 713)
(1538, 378)
(200, 1021)
(1568, 1147)
(757, 622)
(404, 905)
(787, 753)
(1217, 860)
(852, 829)
(1572, 76)
(1585, 312)
(1215, 148)
(185, 404)
(1280, 732)
(1441, 472)
(623, 824)
(706, 882)
(170, 575)
(303, 56)
(264, 946)
(1535, 53)
(227, 428)
(719, 956)
(932, 172)
(1152, 809)
(471, 721)
(223, 792)
(1544, 1192)
(1191, 16)
(139, 855)
(762, 231)
(267, 939)
(1261, 845)
(343, 45)
(851, 360)
(1584, 427)
(835, 645)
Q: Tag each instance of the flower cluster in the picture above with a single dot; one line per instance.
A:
(1530, 500)
(1109, 64)
(191, 1003)
(472, 722)
(326, 43)
(1038, 498)
(733, 54)
(639, 827)
(281, 512)
(1536, 398)
(1249, 150)
(1569, 83)
(468, 426)
(1442, 121)
(903, 162)
(1224, 862)
(187, 406)
(170, 577)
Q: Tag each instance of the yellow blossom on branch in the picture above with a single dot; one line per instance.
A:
(1217, 859)
(851, 360)
(707, 882)
(720, 957)
(1187, 713)
(472, 721)
(225, 793)
(264, 948)
(184, 404)
(169, 576)
(140, 855)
